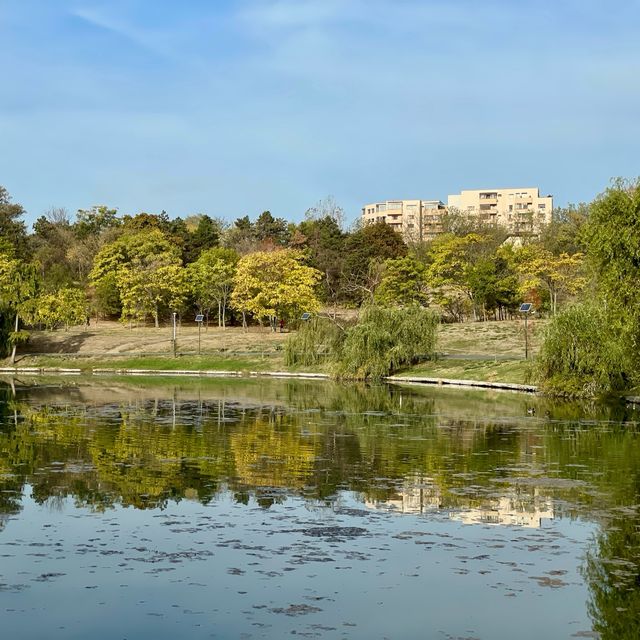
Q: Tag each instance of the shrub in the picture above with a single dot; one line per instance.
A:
(315, 342)
(385, 340)
(584, 353)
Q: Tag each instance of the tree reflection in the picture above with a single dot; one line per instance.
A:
(612, 571)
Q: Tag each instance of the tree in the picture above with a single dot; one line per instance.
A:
(13, 234)
(565, 232)
(95, 221)
(206, 235)
(211, 280)
(65, 307)
(50, 243)
(594, 347)
(145, 270)
(452, 259)
(18, 286)
(271, 230)
(326, 208)
(241, 236)
(275, 284)
(404, 282)
(147, 286)
(325, 242)
(613, 243)
(365, 250)
(558, 275)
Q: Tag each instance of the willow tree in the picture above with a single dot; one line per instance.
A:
(594, 347)
(275, 284)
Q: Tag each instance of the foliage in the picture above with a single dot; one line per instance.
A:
(211, 280)
(593, 347)
(613, 243)
(404, 281)
(565, 232)
(317, 341)
(584, 353)
(13, 235)
(64, 307)
(560, 275)
(270, 284)
(325, 241)
(145, 270)
(365, 249)
(384, 340)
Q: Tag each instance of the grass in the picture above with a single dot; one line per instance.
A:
(113, 346)
(514, 371)
(198, 363)
(504, 338)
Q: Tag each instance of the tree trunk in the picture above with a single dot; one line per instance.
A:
(15, 345)
(224, 316)
(219, 314)
(244, 320)
(155, 317)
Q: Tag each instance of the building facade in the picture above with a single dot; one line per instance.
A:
(415, 220)
(521, 210)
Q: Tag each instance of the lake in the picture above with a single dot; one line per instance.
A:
(156, 508)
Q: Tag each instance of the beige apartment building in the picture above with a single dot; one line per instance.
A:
(415, 220)
(521, 210)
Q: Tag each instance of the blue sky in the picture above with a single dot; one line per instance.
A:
(232, 107)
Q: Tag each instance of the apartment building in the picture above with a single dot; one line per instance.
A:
(415, 220)
(521, 210)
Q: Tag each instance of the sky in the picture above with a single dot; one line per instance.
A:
(233, 107)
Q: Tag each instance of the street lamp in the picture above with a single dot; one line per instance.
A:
(526, 308)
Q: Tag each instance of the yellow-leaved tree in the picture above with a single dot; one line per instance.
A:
(275, 284)
(144, 271)
(561, 275)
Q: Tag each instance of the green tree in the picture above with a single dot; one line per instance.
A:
(206, 235)
(145, 270)
(365, 250)
(18, 287)
(404, 282)
(95, 221)
(271, 230)
(13, 234)
(325, 242)
(64, 307)
(211, 280)
(275, 284)
(50, 243)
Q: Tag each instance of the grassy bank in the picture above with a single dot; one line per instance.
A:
(113, 346)
(514, 371)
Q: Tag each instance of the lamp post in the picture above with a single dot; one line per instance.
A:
(175, 346)
(525, 308)
(199, 319)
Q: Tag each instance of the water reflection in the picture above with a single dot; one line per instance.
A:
(472, 457)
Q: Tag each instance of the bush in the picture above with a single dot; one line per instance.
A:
(584, 353)
(385, 340)
(380, 343)
(316, 341)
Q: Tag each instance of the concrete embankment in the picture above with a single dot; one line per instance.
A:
(195, 373)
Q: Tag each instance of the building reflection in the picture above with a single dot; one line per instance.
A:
(423, 495)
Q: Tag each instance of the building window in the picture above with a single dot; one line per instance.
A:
(541, 206)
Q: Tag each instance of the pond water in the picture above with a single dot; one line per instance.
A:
(269, 509)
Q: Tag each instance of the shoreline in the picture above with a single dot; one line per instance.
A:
(302, 375)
